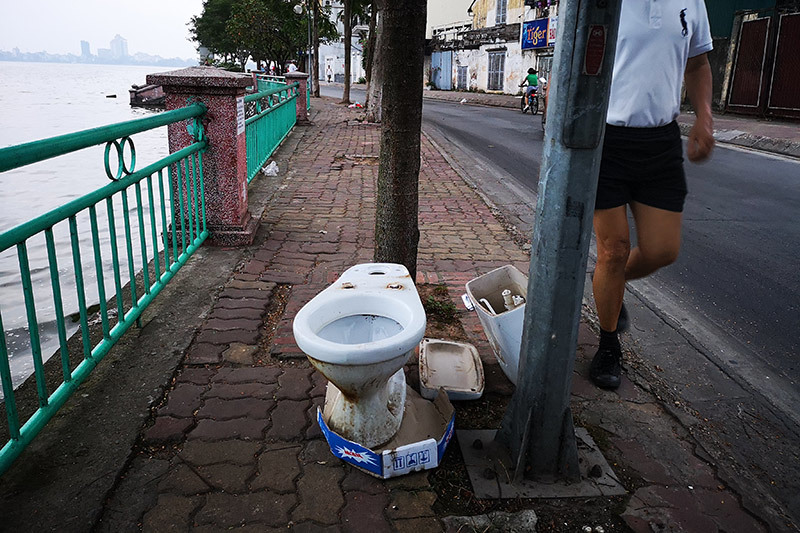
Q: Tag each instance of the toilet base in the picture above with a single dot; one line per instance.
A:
(371, 420)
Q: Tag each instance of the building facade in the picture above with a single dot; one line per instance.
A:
(119, 47)
(492, 49)
(756, 64)
(331, 55)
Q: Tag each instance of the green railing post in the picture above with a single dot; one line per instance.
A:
(87, 265)
(225, 162)
(302, 96)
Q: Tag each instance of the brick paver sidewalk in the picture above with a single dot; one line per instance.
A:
(235, 444)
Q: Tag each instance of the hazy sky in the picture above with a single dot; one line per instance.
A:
(58, 26)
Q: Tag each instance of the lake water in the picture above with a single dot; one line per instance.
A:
(40, 100)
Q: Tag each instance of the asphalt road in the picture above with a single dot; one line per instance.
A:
(737, 279)
(736, 282)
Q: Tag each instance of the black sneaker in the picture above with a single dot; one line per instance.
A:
(606, 368)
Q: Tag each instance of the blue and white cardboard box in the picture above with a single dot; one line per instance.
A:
(417, 446)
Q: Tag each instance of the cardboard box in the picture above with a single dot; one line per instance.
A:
(419, 444)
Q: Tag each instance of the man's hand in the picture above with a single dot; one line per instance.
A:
(701, 140)
(698, 86)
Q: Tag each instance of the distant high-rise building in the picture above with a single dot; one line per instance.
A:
(119, 47)
(104, 53)
(85, 52)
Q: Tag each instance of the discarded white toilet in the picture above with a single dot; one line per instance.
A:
(359, 332)
(500, 304)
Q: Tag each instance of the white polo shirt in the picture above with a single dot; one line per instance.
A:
(656, 37)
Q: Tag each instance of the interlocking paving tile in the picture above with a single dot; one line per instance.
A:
(232, 451)
(238, 428)
(363, 513)
(316, 481)
(278, 468)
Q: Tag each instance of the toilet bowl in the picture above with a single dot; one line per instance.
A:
(359, 332)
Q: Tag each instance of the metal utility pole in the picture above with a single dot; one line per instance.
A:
(537, 427)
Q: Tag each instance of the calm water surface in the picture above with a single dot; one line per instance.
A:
(40, 100)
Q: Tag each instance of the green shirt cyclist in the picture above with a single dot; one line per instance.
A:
(532, 80)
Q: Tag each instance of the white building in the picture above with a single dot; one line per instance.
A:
(119, 47)
(493, 49)
(331, 55)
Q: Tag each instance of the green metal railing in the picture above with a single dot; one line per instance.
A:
(267, 82)
(273, 117)
(163, 227)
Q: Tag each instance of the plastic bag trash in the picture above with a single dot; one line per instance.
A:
(356, 105)
(463, 101)
(271, 169)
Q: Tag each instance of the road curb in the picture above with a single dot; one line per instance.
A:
(754, 142)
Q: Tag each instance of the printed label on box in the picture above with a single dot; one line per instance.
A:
(349, 451)
(420, 455)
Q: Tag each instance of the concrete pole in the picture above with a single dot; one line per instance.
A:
(225, 161)
(537, 427)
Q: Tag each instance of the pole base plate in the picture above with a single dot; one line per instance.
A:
(492, 476)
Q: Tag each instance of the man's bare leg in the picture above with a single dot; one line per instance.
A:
(658, 240)
(613, 251)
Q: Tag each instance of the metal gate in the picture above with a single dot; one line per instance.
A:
(785, 87)
(461, 84)
(497, 62)
(442, 70)
(748, 71)
(766, 71)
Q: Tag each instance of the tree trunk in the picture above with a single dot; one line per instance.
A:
(348, 34)
(375, 82)
(370, 50)
(315, 37)
(402, 53)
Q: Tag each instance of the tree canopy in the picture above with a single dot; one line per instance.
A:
(265, 30)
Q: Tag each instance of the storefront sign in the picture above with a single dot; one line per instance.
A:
(535, 34)
(551, 30)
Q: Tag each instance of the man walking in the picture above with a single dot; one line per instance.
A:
(659, 43)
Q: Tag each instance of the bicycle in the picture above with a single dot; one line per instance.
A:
(533, 105)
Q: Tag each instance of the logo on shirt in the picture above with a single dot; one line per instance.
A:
(685, 29)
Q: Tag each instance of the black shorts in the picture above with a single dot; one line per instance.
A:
(642, 165)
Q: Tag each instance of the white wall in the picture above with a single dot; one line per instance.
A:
(442, 12)
(333, 53)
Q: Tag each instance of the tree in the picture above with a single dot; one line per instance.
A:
(347, 18)
(209, 30)
(354, 13)
(315, 11)
(266, 30)
(402, 57)
(374, 68)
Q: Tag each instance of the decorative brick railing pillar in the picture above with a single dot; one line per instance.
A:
(225, 161)
(302, 96)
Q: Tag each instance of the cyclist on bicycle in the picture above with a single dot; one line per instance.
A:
(532, 80)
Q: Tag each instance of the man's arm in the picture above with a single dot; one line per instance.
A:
(698, 87)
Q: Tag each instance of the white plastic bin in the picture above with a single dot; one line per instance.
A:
(503, 328)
